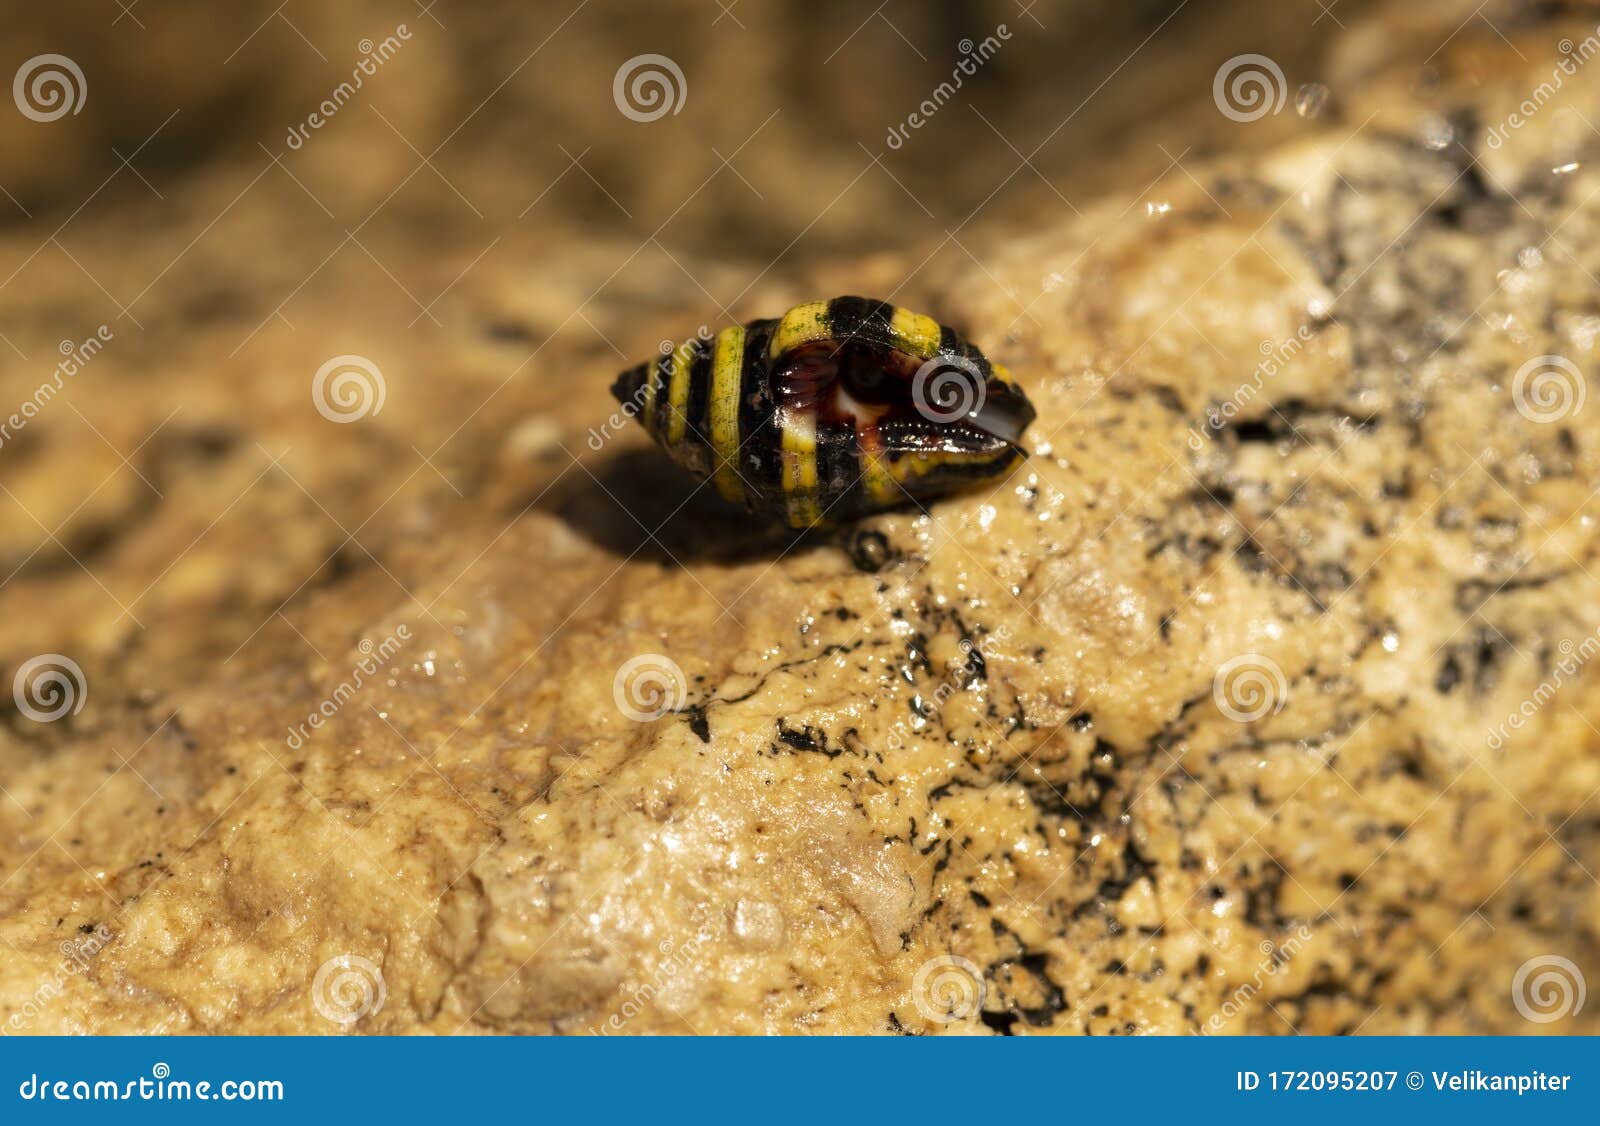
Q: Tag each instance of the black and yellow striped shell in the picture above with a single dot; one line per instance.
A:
(834, 410)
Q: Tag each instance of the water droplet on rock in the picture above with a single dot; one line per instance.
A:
(1437, 132)
(1310, 98)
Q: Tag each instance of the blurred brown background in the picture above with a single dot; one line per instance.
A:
(482, 221)
(503, 97)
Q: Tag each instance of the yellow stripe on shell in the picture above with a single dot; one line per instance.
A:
(910, 466)
(886, 479)
(648, 412)
(1002, 373)
(801, 325)
(727, 371)
(678, 396)
(799, 463)
(877, 473)
(914, 333)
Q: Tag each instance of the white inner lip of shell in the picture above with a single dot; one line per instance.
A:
(862, 414)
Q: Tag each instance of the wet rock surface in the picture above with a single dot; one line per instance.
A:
(1261, 698)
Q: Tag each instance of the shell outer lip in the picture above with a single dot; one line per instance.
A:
(1005, 421)
(1007, 429)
